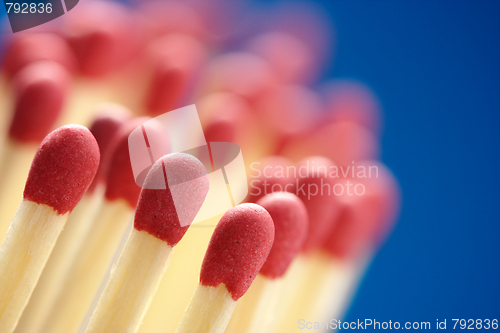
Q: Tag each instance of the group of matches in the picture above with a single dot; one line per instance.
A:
(71, 260)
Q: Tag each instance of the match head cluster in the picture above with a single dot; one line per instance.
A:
(257, 94)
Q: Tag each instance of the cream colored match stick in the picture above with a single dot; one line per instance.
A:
(161, 219)
(104, 128)
(71, 153)
(256, 310)
(90, 264)
(40, 90)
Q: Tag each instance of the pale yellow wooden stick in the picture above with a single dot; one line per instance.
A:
(71, 153)
(40, 89)
(257, 309)
(161, 219)
(59, 263)
(104, 128)
(89, 267)
(135, 279)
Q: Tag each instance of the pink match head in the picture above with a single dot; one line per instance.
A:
(277, 47)
(103, 35)
(289, 109)
(290, 224)
(174, 191)
(176, 61)
(343, 142)
(226, 117)
(354, 102)
(167, 17)
(63, 168)
(315, 186)
(220, 129)
(242, 73)
(367, 215)
(120, 182)
(238, 248)
(104, 128)
(270, 175)
(25, 49)
(40, 92)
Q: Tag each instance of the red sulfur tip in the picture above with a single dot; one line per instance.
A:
(29, 48)
(63, 168)
(242, 73)
(176, 59)
(167, 213)
(270, 175)
(104, 128)
(316, 189)
(367, 216)
(40, 92)
(238, 248)
(102, 42)
(290, 223)
(120, 182)
(220, 129)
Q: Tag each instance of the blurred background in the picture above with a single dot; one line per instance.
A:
(434, 66)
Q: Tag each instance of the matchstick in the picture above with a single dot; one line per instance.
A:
(316, 194)
(255, 311)
(62, 170)
(83, 278)
(104, 128)
(157, 229)
(362, 222)
(40, 91)
(238, 248)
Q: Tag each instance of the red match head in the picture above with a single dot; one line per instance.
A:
(174, 191)
(103, 35)
(120, 182)
(104, 128)
(242, 73)
(167, 17)
(354, 102)
(220, 129)
(367, 215)
(315, 187)
(276, 48)
(343, 142)
(290, 224)
(269, 175)
(238, 248)
(176, 61)
(40, 92)
(63, 168)
(28, 48)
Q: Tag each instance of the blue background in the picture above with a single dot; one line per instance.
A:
(435, 66)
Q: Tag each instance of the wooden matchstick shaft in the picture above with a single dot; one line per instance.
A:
(209, 311)
(34, 227)
(132, 284)
(88, 270)
(59, 263)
